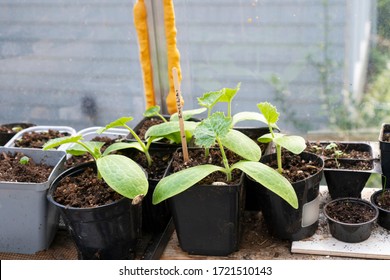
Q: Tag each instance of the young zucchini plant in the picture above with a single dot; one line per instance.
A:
(170, 129)
(216, 130)
(121, 173)
(292, 143)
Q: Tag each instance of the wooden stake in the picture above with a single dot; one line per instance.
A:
(179, 113)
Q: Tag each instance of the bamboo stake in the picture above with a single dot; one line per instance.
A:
(179, 113)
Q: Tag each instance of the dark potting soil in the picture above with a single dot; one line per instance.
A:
(295, 168)
(141, 131)
(350, 212)
(36, 139)
(351, 165)
(383, 200)
(197, 157)
(386, 137)
(13, 171)
(347, 152)
(12, 128)
(160, 162)
(84, 191)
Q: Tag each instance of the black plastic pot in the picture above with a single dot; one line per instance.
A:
(347, 182)
(154, 217)
(105, 232)
(208, 218)
(6, 136)
(384, 214)
(285, 222)
(348, 232)
(384, 148)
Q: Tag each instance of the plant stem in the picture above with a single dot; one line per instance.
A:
(225, 161)
(144, 147)
(279, 158)
(162, 117)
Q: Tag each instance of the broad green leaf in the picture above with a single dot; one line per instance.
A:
(209, 99)
(164, 129)
(60, 141)
(242, 145)
(123, 175)
(269, 111)
(229, 93)
(266, 138)
(187, 114)
(248, 116)
(217, 125)
(295, 144)
(78, 150)
(269, 178)
(119, 122)
(180, 181)
(152, 111)
(121, 146)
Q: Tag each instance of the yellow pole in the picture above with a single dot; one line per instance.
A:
(172, 52)
(141, 26)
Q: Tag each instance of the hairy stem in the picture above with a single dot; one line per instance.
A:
(225, 161)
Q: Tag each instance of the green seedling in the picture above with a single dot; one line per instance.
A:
(337, 153)
(121, 173)
(154, 111)
(170, 129)
(17, 129)
(217, 131)
(292, 143)
(24, 160)
(226, 95)
(139, 144)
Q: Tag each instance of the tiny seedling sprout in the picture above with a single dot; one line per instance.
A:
(24, 160)
(337, 153)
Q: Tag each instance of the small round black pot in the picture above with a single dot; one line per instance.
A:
(347, 232)
(5, 137)
(108, 232)
(384, 215)
(285, 222)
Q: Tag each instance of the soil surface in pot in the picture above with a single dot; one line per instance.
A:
(350, 212)
(74, 160)
(145, 126)
(383, 200)
(84, 191)
(351, 165)
(11, 128)
(11, 170)
(386, 137)
(346, 151)
(197, 157)
(160, 162)
(295, 168)
(37, 139)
